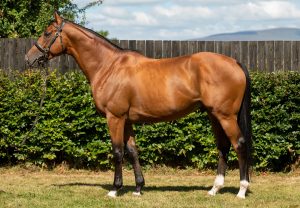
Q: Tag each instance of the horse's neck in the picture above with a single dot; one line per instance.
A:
(91, 53)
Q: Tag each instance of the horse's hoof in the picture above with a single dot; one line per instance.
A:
(211, 192)
(240, 196)
(112, 194)
(136, 194)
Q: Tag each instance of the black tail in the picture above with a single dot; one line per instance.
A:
(244, 116)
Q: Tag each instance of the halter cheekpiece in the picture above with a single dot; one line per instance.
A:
(46, 50)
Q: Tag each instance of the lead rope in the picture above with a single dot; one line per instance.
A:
(44, 77)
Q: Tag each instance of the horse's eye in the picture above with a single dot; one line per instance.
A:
(47, 34)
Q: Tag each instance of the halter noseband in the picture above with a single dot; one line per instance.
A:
(45, 51)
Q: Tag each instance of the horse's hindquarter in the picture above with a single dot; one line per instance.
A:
(222, 82)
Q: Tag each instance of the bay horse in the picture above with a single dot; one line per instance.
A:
(128, 88)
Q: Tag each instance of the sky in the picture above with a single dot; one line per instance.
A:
(188, 19)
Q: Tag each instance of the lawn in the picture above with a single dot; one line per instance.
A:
(34, 187)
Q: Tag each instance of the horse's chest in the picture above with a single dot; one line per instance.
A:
(110, 100)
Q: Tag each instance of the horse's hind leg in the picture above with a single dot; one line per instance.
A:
(232, 130)
(133, 156)
(223, 145)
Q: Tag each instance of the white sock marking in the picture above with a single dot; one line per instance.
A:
(137, 194)
(243, 188)
(112, 194)
(218, 184)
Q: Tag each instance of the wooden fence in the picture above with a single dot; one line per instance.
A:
(256, 55)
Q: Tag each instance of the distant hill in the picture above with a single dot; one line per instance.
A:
(269, 34)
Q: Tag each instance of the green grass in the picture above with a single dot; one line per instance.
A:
(21, 187)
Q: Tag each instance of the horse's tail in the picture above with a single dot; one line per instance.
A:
(244, 116)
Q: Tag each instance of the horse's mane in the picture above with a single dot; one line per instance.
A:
(96, 34)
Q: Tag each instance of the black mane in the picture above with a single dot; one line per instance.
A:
(96, 34)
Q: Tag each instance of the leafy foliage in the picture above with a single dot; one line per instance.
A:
(69, 129)
(28, 18)
(276, 119)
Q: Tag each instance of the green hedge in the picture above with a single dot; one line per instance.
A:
(68, 128)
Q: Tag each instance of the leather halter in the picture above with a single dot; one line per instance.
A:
(46, 50)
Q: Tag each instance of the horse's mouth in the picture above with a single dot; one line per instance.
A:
(40, 60)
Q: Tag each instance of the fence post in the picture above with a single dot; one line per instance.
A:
(279, 55)
(287, 55)
(167, 49)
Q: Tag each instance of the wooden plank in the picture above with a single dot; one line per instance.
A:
(295, 56)
(245, 53)
(11, 53)
(236, 50)
(29, 42)
(253, 62)
(27, 46)
(279, 56)
(72, 63)
(167, 49)
(23, 52)
(132, 44)
(116, 42)
(219, 47)
(226, 50)
(150, 48)
(175, 48)
(141, 46)
(193, 47)
(62, 63)
(2, 53)
(158, 49)
(124, 44)
(53, 63)
(201, 46)
(287, 61)
(184, 48)
(19, 63)
(261, 56)
(210, 46)
(16, 55)
(66, 65)
(269, 47)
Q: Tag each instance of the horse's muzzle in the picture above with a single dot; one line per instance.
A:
(41, 60)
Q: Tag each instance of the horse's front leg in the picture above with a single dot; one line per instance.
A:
(133, 156)
(116, 130)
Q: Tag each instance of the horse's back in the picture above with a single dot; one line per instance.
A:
(170, 88)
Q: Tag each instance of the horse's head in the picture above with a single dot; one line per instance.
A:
(50, 44)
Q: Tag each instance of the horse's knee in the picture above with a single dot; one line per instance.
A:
(240, 146)
(132, 152)
(118, 154)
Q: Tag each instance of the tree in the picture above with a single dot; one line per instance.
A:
(28, 18)
(104, 33)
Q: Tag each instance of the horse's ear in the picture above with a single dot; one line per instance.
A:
(57, 18)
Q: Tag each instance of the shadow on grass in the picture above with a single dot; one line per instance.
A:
(126, 188)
